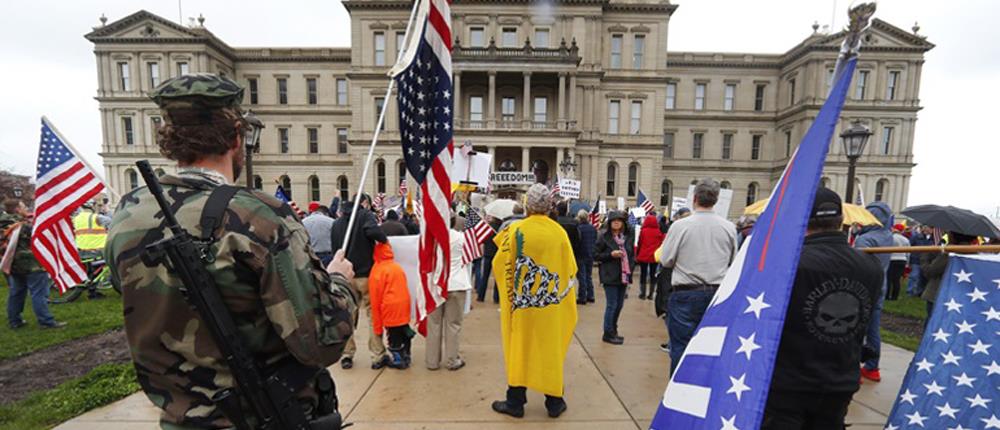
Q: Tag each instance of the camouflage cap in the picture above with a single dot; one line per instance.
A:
(199, 90)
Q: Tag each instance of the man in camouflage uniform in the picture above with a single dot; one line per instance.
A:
(285, 304)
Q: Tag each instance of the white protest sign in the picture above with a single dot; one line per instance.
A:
(569, 188)
(638, 213)
(677, 203)
(621, 203)
(721, 206)
(512, 178)
(602, 207)
(474, 167)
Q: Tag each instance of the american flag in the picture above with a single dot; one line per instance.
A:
(595, 215)
(554, 194)
(424, 98)
(282, 195)
(64, 182)
(953, 379)
(476, 232)
(643, 202)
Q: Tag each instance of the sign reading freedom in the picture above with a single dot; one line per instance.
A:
(512, 178)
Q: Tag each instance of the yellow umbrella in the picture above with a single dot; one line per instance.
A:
(853, 214)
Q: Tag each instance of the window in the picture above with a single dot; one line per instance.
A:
(283, 140)
(880, 188)
(671, 95)
(508, 37)
(727, 146)
(616, 51)
(313, 134)
(182, 68)
(697, 145)
(636, 119)
(614, 112)
(127, 130)
(477, 37)
(124, 78)
(609, 188)
(829, 78)
(133, 179)
(286, 183)
(861, 85)
(751, 193)
(380, 176)
(258, 183)
(282, 91)
(758, 98)
(542, 37)
(886, 140)
(755, 147)
(699, 97)
(791, 92)
(665, 188)
(541, 111)
(311, 96)
(890, 89)
(342, 92)
(341, 140)
(638, 49)
(633, 178)
(314, 188)
(507, 107)
(154, 74)
(252, 83)
(788, 143)
(476, 112)
(400, 40)
(379, 48)
(343, 188)
(730, 97)
(401, 172)
(379, 103)
(668, 145)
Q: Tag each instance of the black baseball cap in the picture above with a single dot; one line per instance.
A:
(827, 204)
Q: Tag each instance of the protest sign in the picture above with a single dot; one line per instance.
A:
(569, 188)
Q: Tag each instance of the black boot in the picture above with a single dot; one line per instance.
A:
(514, 405)
(555, 406)
(611, 338)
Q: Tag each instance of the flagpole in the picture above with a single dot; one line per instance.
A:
(859, 19)
(84, 160)
(375, 134)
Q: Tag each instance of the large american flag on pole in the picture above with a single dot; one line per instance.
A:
(64, 182)
(424, 98)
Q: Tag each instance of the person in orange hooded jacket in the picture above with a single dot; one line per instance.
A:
(390, 299)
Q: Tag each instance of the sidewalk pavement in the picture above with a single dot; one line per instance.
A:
(607, 387)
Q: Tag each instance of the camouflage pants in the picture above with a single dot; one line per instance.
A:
(375, 344)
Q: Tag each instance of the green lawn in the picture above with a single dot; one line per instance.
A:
(84, 316)
(104, 384)
(906, 342)
(913, 307)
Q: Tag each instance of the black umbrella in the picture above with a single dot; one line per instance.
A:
(950, 218)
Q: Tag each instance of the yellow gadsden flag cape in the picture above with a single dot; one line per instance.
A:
(536, 275)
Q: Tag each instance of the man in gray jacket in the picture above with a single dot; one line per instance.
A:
(872, 237)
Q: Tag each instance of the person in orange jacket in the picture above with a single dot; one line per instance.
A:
(390, 299)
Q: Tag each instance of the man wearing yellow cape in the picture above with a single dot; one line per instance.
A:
(536, 276)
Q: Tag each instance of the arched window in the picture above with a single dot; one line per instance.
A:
(824, 181)
(880, 188)
(507, 165)
(665, 198)
(610, 188)
(132, 178)
(380, 176)
(258, 184)
(342, 187)
(752, 193)
(725, 185)
(286, 183)
(314, 188)
(633, 178)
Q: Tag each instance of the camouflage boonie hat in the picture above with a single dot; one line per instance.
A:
(199, 90)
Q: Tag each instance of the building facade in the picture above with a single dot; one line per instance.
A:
(575, 88)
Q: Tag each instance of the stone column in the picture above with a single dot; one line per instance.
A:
(457, 114)
(572, 158)
(588, 108)
(526, 102)
(562, 100)
(559, 160)
(491, 107)
(572, 97)
(525, 159)
(493, 156)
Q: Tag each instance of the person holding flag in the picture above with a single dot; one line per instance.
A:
(21, 269)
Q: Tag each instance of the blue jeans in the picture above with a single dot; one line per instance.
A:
(585, 277)
(915, 286)
(615, 295)
(35, 283)
(476, 267)
(684, 312)
(486, 267)
(874, 338)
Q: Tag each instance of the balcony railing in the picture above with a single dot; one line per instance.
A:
(527, 53)
(517, 124)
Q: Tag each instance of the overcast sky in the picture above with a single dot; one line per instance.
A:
(48, 68)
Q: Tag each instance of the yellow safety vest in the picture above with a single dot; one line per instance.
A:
(90, 235)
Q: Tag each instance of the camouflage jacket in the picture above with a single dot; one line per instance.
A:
(24, 259)
(281, 298)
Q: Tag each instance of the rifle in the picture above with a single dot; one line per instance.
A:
(272, 400)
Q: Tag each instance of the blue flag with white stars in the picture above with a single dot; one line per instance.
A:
(954, 380)
(722, 380)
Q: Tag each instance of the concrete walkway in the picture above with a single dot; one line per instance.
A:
(607, 387)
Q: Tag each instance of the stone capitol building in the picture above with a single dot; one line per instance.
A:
(590, 82)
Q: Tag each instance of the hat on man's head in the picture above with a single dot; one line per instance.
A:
(538, 199)
(313, 206)
(197, 91)
(827, 204)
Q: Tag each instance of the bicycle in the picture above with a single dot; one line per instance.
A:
(98, 280)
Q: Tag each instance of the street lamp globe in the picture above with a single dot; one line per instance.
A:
(855, 138)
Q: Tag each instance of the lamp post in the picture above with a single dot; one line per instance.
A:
(251, 141)
(567, 164)
(854, 140)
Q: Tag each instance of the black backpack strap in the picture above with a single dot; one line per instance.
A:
(215, 210)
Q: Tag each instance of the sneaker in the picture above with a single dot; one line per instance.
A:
(665, 347)
(346, 363)
(872, 374)
(642, 296)
(54, 324)
(458, 364)
(501, 406)
(612, 339)
(380, 363)
(17, 325)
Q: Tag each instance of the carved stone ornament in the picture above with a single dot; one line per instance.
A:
(149, 31)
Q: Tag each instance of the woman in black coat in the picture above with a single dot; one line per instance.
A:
(615, 251)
